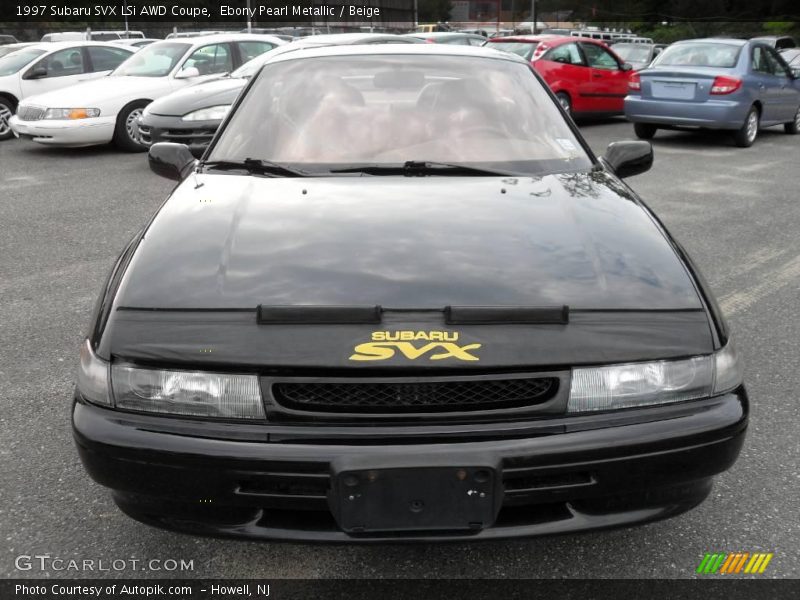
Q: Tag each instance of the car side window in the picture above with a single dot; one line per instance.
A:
(215, 58)
(761, 63)
(568, 54)
(779, 66)
(600, 58)
(62, 63)
(106, 59)
(249, 50)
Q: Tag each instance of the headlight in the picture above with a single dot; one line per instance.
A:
(654, 383)
(93, 377)
(71, 113)
(194, 393)
(213, 113)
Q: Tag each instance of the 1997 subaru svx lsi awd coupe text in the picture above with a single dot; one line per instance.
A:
(399, 298)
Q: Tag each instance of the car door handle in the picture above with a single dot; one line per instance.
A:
(597, 75)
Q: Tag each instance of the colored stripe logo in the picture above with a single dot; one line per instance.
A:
(729, 563)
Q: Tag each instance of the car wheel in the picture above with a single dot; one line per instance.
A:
(645, 131)
(793, 128)
(565, 102)
(745, 136)
(6, 111)
(126, 133)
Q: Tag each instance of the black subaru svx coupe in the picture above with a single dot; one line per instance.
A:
(399, 298)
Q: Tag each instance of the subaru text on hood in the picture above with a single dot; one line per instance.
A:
(106, 110)
(400, 299)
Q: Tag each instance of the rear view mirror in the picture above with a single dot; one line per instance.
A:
(399, 79)
(188, 73)
(629, 158)
(173, 161)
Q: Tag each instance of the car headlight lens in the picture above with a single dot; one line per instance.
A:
(213, 113)
(193, 393)
(71, 113)
(654, 383)
(93, 377)
(727, 369)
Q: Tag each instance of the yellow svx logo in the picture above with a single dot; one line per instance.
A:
(435, 345)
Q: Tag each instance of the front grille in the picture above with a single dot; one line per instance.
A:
(413, 397)
(30, 113)
(190, 137)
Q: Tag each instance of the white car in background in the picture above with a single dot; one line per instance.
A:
(106, 110)
(43, 67)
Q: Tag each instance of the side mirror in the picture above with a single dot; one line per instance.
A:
(36, 73)
(187, 73)
(629, 158)
(170, 160)
(627, 67)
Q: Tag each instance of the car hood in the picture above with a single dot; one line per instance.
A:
(228, 241)
(195, 97)
(224, 244)
(104, 92)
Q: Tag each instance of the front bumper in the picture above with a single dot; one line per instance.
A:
(195, 134)
(712, 114)
(80, 132)
(272, 481)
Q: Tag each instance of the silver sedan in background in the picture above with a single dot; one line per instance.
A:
(738, 85)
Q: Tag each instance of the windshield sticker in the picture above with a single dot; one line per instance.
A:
(433, 345)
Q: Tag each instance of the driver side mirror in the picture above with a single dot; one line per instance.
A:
(629, 158)
(36, 73)
(627, 67)
(187, 73)
(170, 160)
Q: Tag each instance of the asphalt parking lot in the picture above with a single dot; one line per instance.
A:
(65, 215)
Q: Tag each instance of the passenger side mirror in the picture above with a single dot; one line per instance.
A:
(36, 73)
(170, 160)
(631, 158)
(188, 73)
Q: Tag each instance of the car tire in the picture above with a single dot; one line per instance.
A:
(126, 131)
(7, 110)
(645, 131)
(747, 134)
(793, 128)
(565, 102)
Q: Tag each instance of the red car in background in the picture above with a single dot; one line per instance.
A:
(585, 75)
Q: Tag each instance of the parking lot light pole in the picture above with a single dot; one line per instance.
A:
(249, 21)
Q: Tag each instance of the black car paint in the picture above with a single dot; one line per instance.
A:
(586, 471)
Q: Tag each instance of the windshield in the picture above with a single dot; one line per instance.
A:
(335, 112)
(700, 54)
(523, 49)
(632, 52)
(11, 63)
(155, 60)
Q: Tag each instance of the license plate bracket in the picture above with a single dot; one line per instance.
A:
(415, 499)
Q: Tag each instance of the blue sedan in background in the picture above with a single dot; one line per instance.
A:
(740, 85)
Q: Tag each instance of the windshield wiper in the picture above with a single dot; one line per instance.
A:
(419, 168)
(254, 165)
